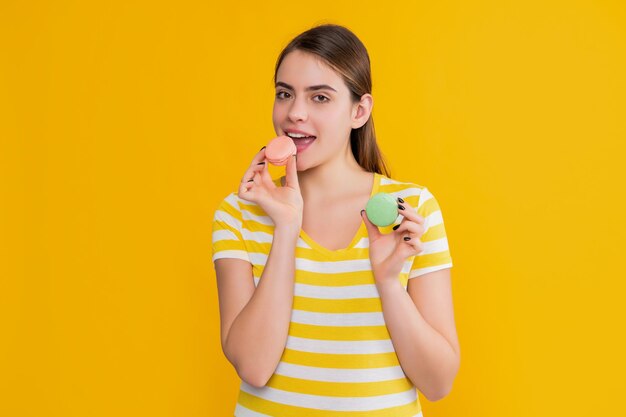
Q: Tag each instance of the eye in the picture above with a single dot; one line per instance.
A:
(322, 100)
(324, 97)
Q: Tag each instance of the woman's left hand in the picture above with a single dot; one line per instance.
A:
(388, 252)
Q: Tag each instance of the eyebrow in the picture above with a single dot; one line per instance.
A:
(311, 88)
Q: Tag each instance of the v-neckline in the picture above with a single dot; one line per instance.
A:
(355, 239)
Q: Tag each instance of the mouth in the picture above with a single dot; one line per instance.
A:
(302, 140)
(299, 135)
(302, 143)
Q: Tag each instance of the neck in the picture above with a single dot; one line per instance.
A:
(336, 179)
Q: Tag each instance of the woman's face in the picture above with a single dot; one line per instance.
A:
(312, 98)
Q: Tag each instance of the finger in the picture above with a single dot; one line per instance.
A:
(266, 177)
(409, 212)
(409, 248)
(414, 230)
(258, 158)
(253, 170)
(249, 174)
(416, 245)
(291, 176)
(372, 230)
(410, 232)
(245, 191)
(255, 180)
(403, 251)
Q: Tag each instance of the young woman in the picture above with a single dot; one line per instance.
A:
(322, 312)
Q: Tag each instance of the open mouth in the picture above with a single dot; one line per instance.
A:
(299, 136)
(301, 140)
(303, 143)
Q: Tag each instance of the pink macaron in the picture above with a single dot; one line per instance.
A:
(280, 149)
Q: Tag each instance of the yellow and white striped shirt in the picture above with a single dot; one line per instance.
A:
(339, 359)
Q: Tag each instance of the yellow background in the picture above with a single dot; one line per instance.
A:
(124, 123)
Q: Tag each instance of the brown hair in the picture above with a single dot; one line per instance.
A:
(340, 49)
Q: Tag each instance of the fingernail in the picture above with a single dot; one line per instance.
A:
(400, 200)
(396, 227)
(262, 149)
(362, 213)
(407, 238)
(250, 180)
(260, 163)
(401, 207)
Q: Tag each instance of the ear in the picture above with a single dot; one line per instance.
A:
(362, 110)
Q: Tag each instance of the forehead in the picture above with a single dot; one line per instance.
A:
(301, 69)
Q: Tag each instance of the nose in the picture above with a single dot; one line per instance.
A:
(297, 111)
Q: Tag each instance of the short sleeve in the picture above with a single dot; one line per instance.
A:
(436, 253)
(227, 238)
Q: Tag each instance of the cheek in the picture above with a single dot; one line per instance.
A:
(277, 115)
(335, 122)
(279, 112)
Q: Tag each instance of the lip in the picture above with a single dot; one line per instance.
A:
(298, 131)
(302, 144)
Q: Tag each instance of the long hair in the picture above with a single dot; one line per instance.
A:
(341, 50)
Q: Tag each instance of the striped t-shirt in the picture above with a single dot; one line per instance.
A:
(339, 359)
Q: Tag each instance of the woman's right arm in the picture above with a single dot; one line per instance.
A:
(255, 321)
(255, 324)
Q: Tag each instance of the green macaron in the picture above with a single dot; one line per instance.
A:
(382, 209)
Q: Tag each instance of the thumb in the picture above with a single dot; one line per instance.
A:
(372, 229)
(291, 175)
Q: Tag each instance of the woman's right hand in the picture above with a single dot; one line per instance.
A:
(284, 204)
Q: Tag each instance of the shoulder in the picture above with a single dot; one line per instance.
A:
(412, 192)
(230, 204)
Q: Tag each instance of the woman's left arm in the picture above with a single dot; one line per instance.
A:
(422, 329)
(420, 319)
